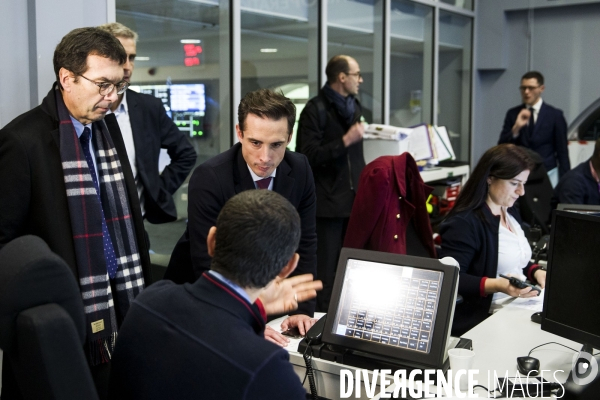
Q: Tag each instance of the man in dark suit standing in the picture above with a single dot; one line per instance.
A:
(147, 128)
(204, 340)
(65, 177)
(539, 127)
(259, 160)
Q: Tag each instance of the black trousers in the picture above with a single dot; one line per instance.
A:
(330, 238)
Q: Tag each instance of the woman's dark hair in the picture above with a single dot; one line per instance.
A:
(504, 161)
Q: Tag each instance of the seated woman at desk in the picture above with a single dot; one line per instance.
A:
(483, 233)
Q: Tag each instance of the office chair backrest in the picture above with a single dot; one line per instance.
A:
(536, 205)
(42, 325)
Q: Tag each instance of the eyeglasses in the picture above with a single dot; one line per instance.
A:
(357, 74)
(526, 88)
(106, 88)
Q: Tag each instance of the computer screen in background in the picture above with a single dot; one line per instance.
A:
(184, 103)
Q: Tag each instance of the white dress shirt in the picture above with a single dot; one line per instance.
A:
(122, 114)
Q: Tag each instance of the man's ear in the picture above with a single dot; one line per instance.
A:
(290, 267)
(64, 77)
(542, 87)
(239, 132)
(211, 241)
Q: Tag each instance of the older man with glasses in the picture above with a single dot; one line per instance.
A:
(66, 178)
(539, 127)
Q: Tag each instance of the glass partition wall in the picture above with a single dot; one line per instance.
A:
(415, 57)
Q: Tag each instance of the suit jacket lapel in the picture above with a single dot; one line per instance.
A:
(284, 183)
(242, 178)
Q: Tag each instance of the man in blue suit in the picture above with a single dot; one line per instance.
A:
(539, 127)
(205, 340)
(146, 129)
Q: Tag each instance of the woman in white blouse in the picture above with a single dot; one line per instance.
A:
(483, 233)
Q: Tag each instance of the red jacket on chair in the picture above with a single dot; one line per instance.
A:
(391, 192)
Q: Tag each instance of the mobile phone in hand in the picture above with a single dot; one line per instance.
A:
(293, 333)
(521, 284)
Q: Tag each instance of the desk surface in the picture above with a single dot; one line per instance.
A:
(497, 343)
(509, 334)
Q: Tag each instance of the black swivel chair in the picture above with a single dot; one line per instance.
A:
(536, 205)
(42, 326)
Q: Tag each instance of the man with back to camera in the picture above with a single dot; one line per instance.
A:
(539, 127)
(67, 179)
(581, 185)
(259, 160)
(205, 340)
(147, 128)
(330, 135)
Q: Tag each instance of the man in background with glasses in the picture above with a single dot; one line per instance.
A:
(65, 177)
(539, 127)
(146, 128)
(330, 135)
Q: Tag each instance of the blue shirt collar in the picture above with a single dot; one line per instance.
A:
(238, 289)
(79, 127)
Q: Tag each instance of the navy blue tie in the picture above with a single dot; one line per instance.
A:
(531, 124)
(109, 251)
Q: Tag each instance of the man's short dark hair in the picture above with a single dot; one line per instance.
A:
(73, 50)
(534, 75)
(258, 232)
(335, 66)
(596, 154)
(265, 103)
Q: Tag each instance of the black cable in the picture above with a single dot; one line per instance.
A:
(570, 348)
(488, 390)
(310, 372)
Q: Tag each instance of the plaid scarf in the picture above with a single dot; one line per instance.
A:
(104, 312)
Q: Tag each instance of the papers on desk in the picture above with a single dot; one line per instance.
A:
(423, 142)
(377, 131)
(534, 304)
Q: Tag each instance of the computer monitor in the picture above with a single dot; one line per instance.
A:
(393, 306)
(580, 208)
(185, 103)
(571, 301)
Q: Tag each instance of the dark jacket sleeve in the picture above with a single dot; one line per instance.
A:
(561, 143)
(276, 380)
(571, 189)
(506, 135)
(203, 210)
(310, 139)
(14, 173)
(180, 150)
(462, 241)
(307, 209)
